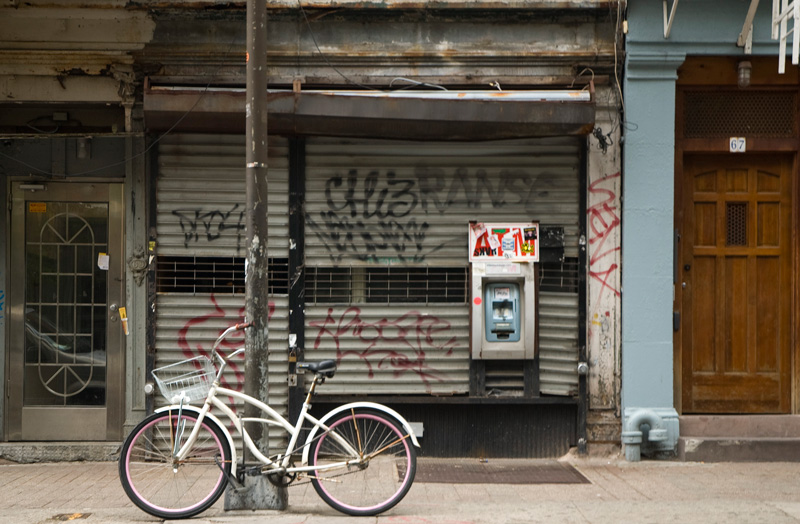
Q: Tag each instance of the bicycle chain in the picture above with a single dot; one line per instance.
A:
(327, 478)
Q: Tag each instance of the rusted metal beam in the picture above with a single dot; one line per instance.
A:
(330, 114)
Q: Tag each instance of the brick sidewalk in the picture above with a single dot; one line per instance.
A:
(618, 491)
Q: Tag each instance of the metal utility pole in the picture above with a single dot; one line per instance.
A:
(259, 493)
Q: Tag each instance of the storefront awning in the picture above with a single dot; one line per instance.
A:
(411, 115)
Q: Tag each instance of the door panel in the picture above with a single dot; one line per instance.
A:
(65, 358)
(736, 262)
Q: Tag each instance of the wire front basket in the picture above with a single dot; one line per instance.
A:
(188, 380)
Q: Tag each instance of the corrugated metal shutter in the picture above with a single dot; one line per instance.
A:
(200, 213)
(188, 325)
(558, 343)
(201, 195)
(373, 203)
(391, 349)
(404, 202)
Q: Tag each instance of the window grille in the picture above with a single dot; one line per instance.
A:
(560, 276)
(429, 285)
(386, 285)
(195, 274)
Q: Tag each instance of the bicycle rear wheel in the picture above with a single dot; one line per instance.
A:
(170, 490)
(383, 476)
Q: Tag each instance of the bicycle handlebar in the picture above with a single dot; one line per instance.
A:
(236, 327)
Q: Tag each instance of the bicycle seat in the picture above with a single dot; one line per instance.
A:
(324, 367)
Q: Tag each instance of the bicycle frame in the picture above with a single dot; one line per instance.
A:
(273, 419)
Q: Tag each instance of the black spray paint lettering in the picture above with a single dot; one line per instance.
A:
(395, 200)
(370, 241)
(210, 224)
(511, 188)
(367, 216)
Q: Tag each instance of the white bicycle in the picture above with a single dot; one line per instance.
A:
(360, 457)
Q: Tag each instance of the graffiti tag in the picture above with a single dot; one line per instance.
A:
(418, 333)
(210, 225)
(381, 215)
(603, 223)
(195, 346)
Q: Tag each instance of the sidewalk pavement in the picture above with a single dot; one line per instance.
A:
(618, 492)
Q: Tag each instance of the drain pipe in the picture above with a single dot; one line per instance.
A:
(632, 432)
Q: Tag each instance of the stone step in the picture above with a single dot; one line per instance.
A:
(745, 426)
(739, 438)
(27, 452)
(721, 449)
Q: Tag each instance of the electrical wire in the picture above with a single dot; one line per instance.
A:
(414, 83)
(325, 57)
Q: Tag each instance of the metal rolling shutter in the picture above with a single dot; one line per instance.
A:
(379, 203)
(200, 218)
(201, 196)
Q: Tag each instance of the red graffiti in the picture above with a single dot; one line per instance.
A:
(414, 330)
(234, 341)
(603, 222)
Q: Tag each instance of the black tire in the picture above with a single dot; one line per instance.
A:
(170, 491)
(381, 481)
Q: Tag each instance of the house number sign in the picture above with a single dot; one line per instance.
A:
(738, 144)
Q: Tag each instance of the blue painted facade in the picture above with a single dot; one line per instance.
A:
(700, 28)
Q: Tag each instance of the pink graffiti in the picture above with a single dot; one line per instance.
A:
(603, 222)
(191, 347)
(413, 330)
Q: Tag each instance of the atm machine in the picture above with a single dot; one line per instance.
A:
(503, 258)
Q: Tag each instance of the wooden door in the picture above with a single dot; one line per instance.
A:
(735, 283)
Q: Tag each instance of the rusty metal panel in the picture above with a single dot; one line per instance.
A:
(201, 196)
(397, 202)
(455, 115)
(188, 324)
(399, 349)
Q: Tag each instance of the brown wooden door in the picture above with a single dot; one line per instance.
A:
(736, 285)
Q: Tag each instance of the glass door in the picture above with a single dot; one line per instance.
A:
(66, 353)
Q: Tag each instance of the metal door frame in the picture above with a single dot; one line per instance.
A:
(78, 423)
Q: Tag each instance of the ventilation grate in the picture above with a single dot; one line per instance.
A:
(736, 220)
(753, 113)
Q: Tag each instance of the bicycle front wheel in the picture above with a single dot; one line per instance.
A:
(385, 468)
(171, 489)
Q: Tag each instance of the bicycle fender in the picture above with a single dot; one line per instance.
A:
(196, 411)
(355, 405)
